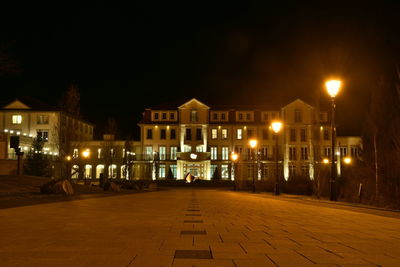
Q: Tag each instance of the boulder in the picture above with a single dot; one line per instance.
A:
(57, 187)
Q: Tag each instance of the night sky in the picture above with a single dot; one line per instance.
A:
(126, 58)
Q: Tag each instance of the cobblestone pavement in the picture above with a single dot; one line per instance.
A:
(189, 227)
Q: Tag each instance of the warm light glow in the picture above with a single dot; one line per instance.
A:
(347, 160)
(6, 130)
(321, 128)
(234, 156)
(253, 143)
(193, 156)
(333, 87)
(68, 158)
(86, 153)
(276, 126)
(325, 161)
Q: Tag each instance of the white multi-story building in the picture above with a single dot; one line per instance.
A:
(30, 118)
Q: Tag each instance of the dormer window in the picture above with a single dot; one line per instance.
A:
(193, 115)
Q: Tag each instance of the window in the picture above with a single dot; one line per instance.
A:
(265, 116)
(172, 116)
(223, 116)
(198, 134)
(303, 135)
(214, 151)
(43, 135)
(292, 153)
(16, 119)
(163, 152)
(354, 151)
(240, 116)
(248, 116)
(224, 134)
(292, 170)
(193, 115)
(173, 150)
(215, 116)
(187, 148)
(149, 134)
(163, 134)
(292, 135)
(264, 153)
(239, 134)
(265, 134)
(164, 116)
(112, 153)
(43, 119)
(249, 133)
(327, 152)
(149, 152)
(304, 153)
(99, 170)
(112, 171)
(156, 116)
(326, 135)
(224, 171)
(188, 134)
(212, 170)
(199, 148)
(225, 153)
(214, 134)
(99, 155)
(161, 171)
(76, 153)
(297, 116)
(273, 115)
(173, 170)
(172, 134)
(88, 171)
(343, 151)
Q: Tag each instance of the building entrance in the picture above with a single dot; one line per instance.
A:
(197, 169)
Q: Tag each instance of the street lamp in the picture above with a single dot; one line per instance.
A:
(333, 87)
(276, 127)
(234, 158)
(253, 144)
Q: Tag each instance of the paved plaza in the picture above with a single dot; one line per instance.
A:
(196, 227)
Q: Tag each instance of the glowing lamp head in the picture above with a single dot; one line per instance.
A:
(325, 161)
(86, 153)
(234, 156)
(68, 158)
(347, 160)
(253, 143)
(276, 126)
(333, 87)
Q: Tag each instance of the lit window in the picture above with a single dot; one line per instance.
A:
(225, 153)
(76, 153)
(239, 134)
(173, 149)
(99, 156)
(214, 151)
(149, 152)
(214, 133)
(224, 171)
(112, 171)
(224, 134)
(43, 135)
(88, 171)
(163, 152)
(161, 171)
(16, 119)
(193, 115)
(173, 170)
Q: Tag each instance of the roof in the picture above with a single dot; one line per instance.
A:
(29, 103)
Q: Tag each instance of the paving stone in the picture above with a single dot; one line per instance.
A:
(193, 254)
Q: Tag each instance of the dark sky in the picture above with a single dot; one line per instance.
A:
(128, 57)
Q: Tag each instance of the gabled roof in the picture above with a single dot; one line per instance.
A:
(298, 100)
(30, 103)
(196, 101)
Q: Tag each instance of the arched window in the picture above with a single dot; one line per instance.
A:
(99, 170)
(88, 171)
(112, 171)
(75, 172)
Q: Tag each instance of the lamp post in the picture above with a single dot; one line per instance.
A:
(333, 87)
(276, 127)
(234, 158)
(69, 172)
(253, 144)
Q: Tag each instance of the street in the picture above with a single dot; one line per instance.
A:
(195, 227)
